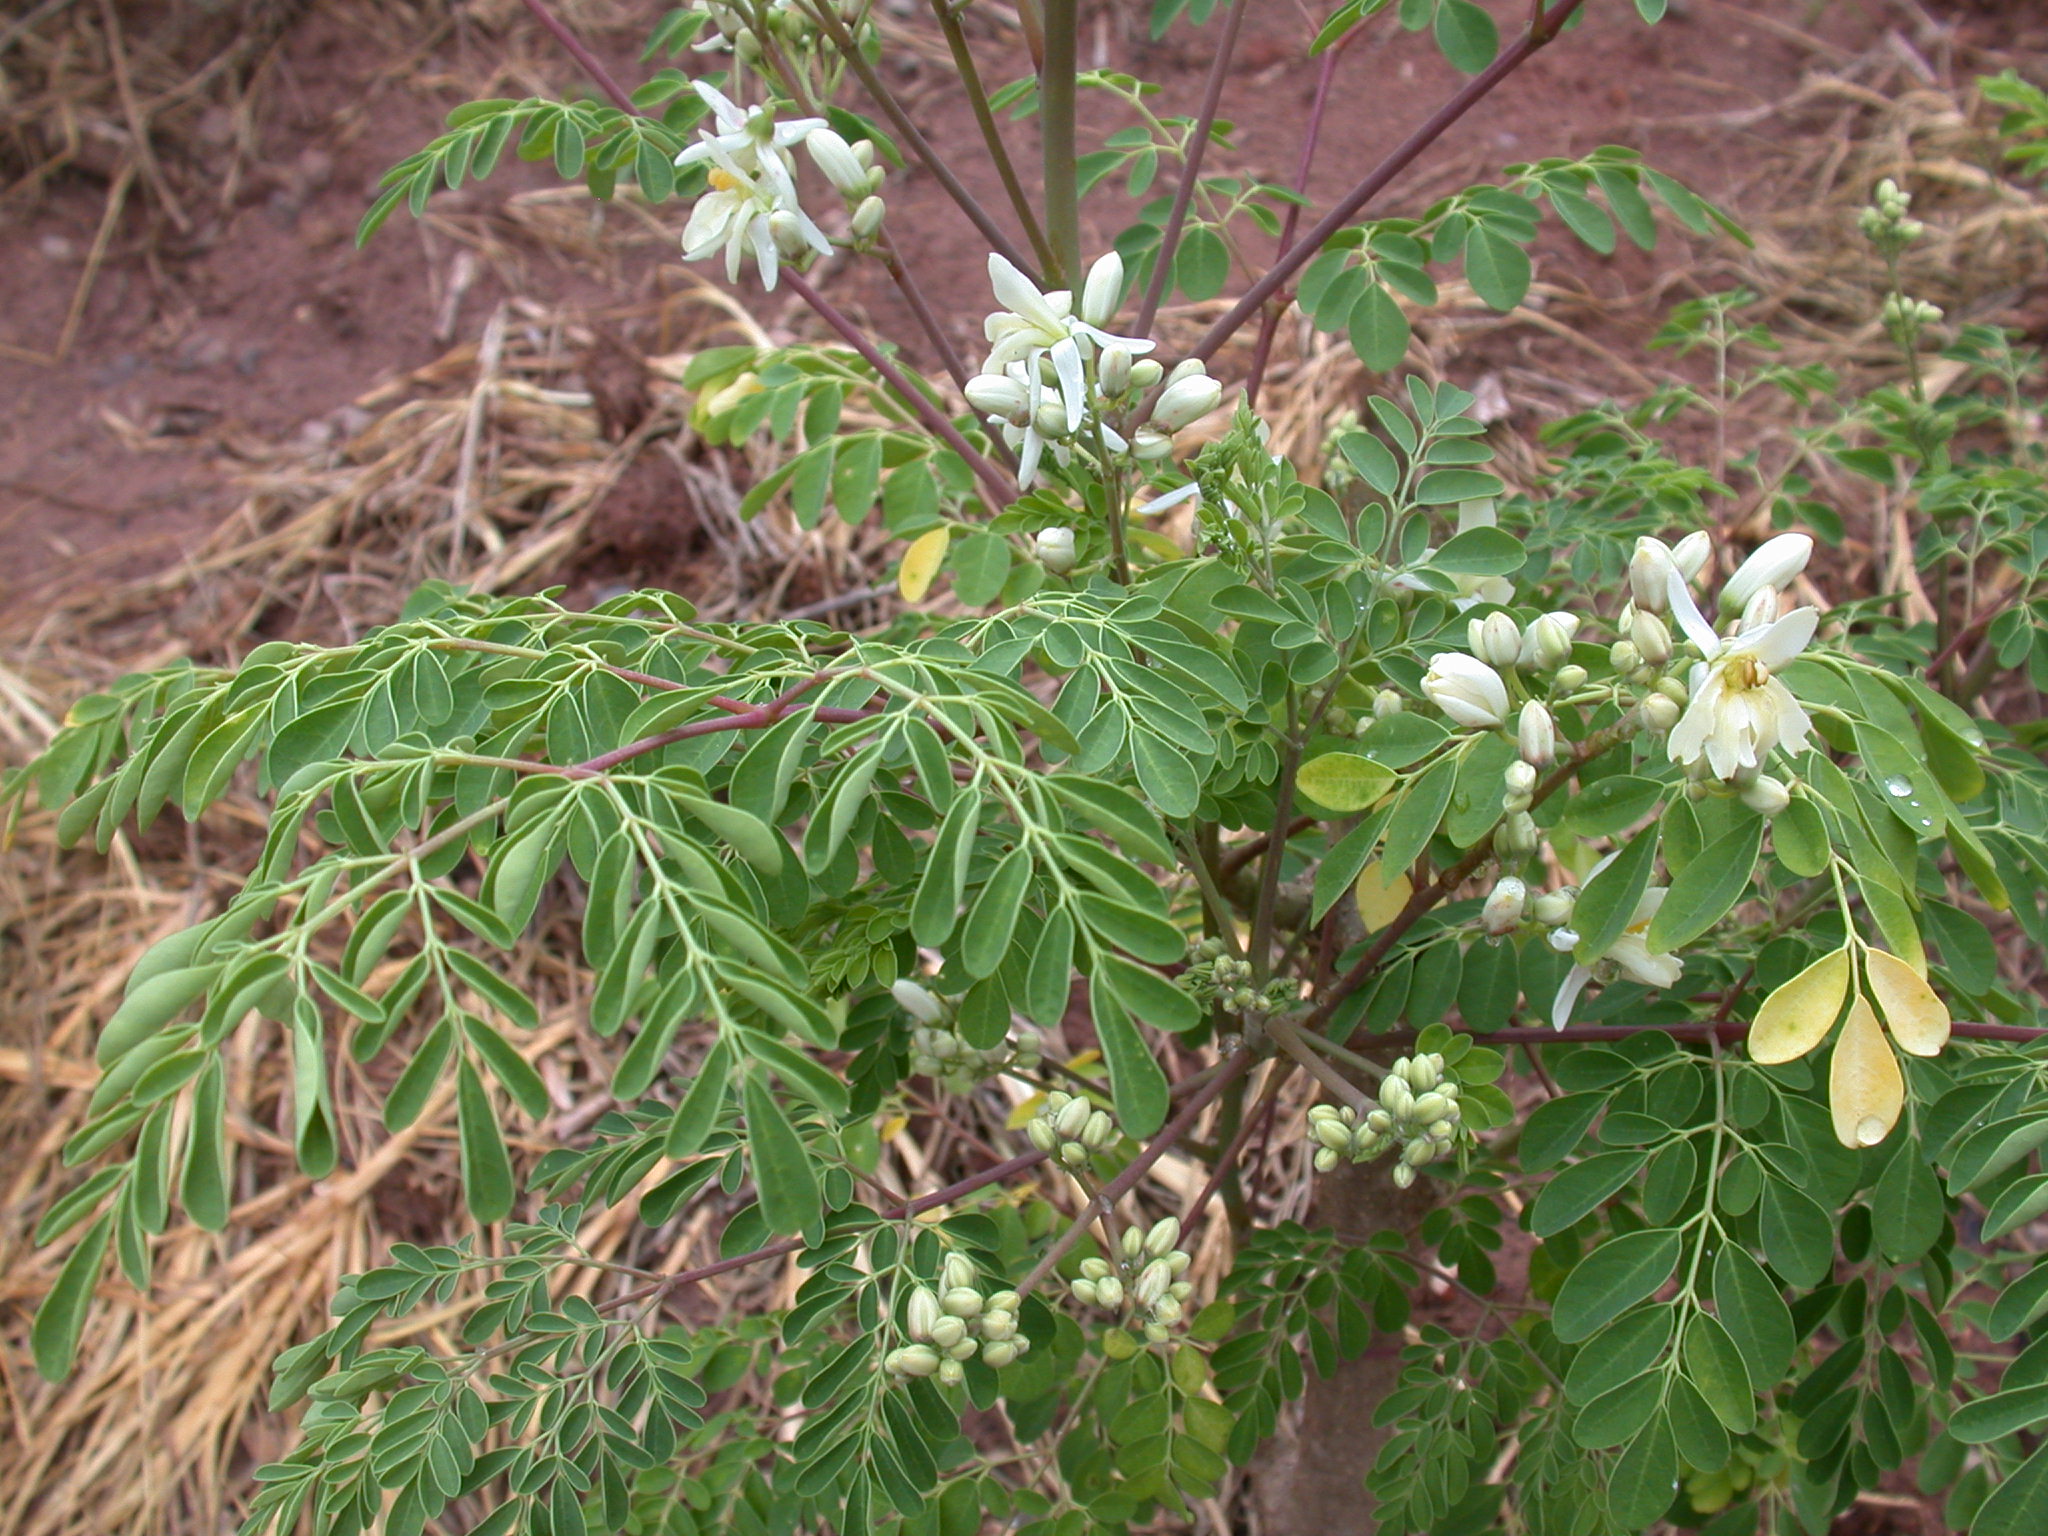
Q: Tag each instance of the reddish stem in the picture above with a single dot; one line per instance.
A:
(592, 66)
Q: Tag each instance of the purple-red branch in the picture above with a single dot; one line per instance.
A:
(592, 65)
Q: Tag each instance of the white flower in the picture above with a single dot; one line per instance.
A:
(1776, 564)
(1630, 956)
(1650, 573)
(1467, 690)
(751, 207)
(835, 157)
(1056, 549)
(1738, 712)
(1690, 553)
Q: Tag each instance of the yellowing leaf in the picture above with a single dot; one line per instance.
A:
(1380, 904)
(1024, 1113)
(1344, 781)
(1797, 1017)
(921, 564)
(896, 1125)
(1866, 1090)
(1917, 1017)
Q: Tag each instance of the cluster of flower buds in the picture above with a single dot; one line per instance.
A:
(1885, 223)
(1418, 1113)
(1146, 1279)
(1509, 905)
(1471, 688)
(1070, 1128)
(1214, 976)
(855, 177)
(1906, 317)
(731, 29)
(940, 1054)
(955, 1321)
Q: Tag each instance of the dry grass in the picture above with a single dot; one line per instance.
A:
(491, 467)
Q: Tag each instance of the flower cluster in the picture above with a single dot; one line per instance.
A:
(1418, 1112)
(730, 29)
(1146, 1279)
(1070, 1128)
(1054, 377)
(1214, 976)
(751, 207)
(953, 1323)
(937, 1052)
(1885, 223)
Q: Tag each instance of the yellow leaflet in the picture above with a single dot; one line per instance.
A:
(1022, 1115)
(1866, 1090)
(893, 1127)
(1797, 1017)
(1918, 1018)
(1379, 904)
(921, 564)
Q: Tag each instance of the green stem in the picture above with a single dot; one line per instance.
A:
(1056, 117)
(991, 134)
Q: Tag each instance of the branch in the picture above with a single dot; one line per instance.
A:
(1304, 250)
(1191, 168)
(592, 66)
(1178, 1127)
(991, 134)
(1056, 128)
(1733, 1032)
(994, 482)
(1310, 137)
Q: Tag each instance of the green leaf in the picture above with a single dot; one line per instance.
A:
(1906, 1207)
(1467, 35)
(1379, 330)
(1798, 1235)
(2000, 1414)
(1705, 889)
(150, 1006)
(1582, 1189)
(748, 836)
(1610, 806)
(1618, 1354)
(698, 1113)
(1799, 837)
(1753, 1313)
(61, 1317)
(1202, 264)
(1343, 781)
(206, 1184)
(1415, 818)
(936, 906)
(2019, 1505)
(1476, 551)
(1715, 1365)
(1497, 268)
(512, 1070)
(487, 1187)
(986, 940)
(1608, 904)
(1612, 1278)
(1147, 995)
(1138, 1086)
(1639, 1488)
(783, 1175)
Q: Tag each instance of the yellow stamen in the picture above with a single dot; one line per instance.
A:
(722, 181)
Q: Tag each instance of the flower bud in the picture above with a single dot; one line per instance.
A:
(917, 1002)
(998, 1325)
(1504, 904)
(1325, 1159)
(1113, 370)
(912, 1360)
(921, 1313)
(1467, 690)
(1149, 444)
(1109, 1292)
(1761, 609)
(1132, 1242)
(1072, 1118)
(1536, 734)
(947, 1332)
(1073, 1154)
(1396, 1095)
(1403, 1176)
(1659, 714)
(951, 1373)
(1332, 1133)
(1517, 836)
(1055, 548)
(1178, 1261)
(1152, 1283)
(1651, 571)
(1186, 368)
(1146, 372)
(1571, 677)
(1157, 1333)
(1167, 1311)
(1690, 554)
(957, 1271)
(1519, 779)
(1042, 1135)
(1051, 417)
(1547, 643)
(834, 156)
(1164, 1237)
(1186, 401)
(1103, 290)
(1495, 639)
(1099, 1132)
(1428, 1108)
(1652, 637)
(1564, 940)
(1624, 657)
(997, 394)
(996, 1356)
(1426, 1071)
(1418, 1153)
(1775, 563)
(1554, 908)
(1095, 1269)
(1766, 796)
(961, 1301)
(1378, 1122)
(867, 218)
(1005, 1301)
(787, 231)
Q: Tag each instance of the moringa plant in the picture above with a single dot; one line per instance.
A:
(1608, 885)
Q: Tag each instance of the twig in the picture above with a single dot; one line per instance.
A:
(1191, 168)
(1136, 1169)
(1056, 128)
(992, 479)
(592, 65)
(1290, 1040)
(1311, 136)
(1304, 250)
(991, 134)
(920, 146)
(1732, 1032)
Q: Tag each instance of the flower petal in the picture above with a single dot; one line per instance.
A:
(1866, 1089)
(1689, 617)
(1777, 643)
(1568, 992)
(1798, 1015)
